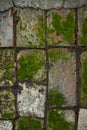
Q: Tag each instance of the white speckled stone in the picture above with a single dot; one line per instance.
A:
(31, 101)
(6, 125)
(82, 124)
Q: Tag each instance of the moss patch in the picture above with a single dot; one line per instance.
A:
(29, 65)
(29, 124)
(83, 40)
(8, 115)
(64, 28)
(56, 121)
(58, 54)
(84, 81)
(56, 98)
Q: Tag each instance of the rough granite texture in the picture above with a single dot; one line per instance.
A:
(6, 125)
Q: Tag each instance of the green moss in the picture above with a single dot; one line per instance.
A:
(84, 81)
(29, 65)
(41, 30)
(56, 121)
(83, 40)
(29, 124)
(56, 23)
(68, 28)
(56, 98)
(63, 27)
(57, 54)
(8, 115)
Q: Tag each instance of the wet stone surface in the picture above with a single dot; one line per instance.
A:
(5, 4)
(7, 67)
(6, 29)
(6, 125)
(62, 77)
(60, 27)
(58, 119)
(7, 107)
(31, 28)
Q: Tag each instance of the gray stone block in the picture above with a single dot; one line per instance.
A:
(5, 4)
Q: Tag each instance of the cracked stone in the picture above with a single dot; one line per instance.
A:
(31, 101)
(6, 29)
(6, 125)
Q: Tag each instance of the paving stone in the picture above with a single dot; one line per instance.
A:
(7, 70)
(6, 125)
(7, 107)
(60, 27)
(31, 65)
(49, 4)
(82, 19)
(83, 75)
(6, 29)
(28, 124)
(62, 77)
(74, 3)
(30, 28)
(31, 100)
(82, 123)
(57, 120)
(5, 4)
(27, 3)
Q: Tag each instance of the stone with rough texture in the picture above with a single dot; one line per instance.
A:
(48, 4)
(6, 29)
(6, 125)
(82, 123)
(31, 100)
(30, 28)
(5, 4)
(74, 3)
(62, 76)
(27, 3)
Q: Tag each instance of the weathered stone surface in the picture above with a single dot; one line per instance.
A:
(6, 125)
(31, 100)
(7, 70)
(74, 3)
(60, 27)
(83, 75)
(82, 123)
(48, 4)
(82, 19)
(6, 29)
(7, 107)
(62, 77)
(30, 28)
(5, 4)
(27, 3)
(57, 119)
